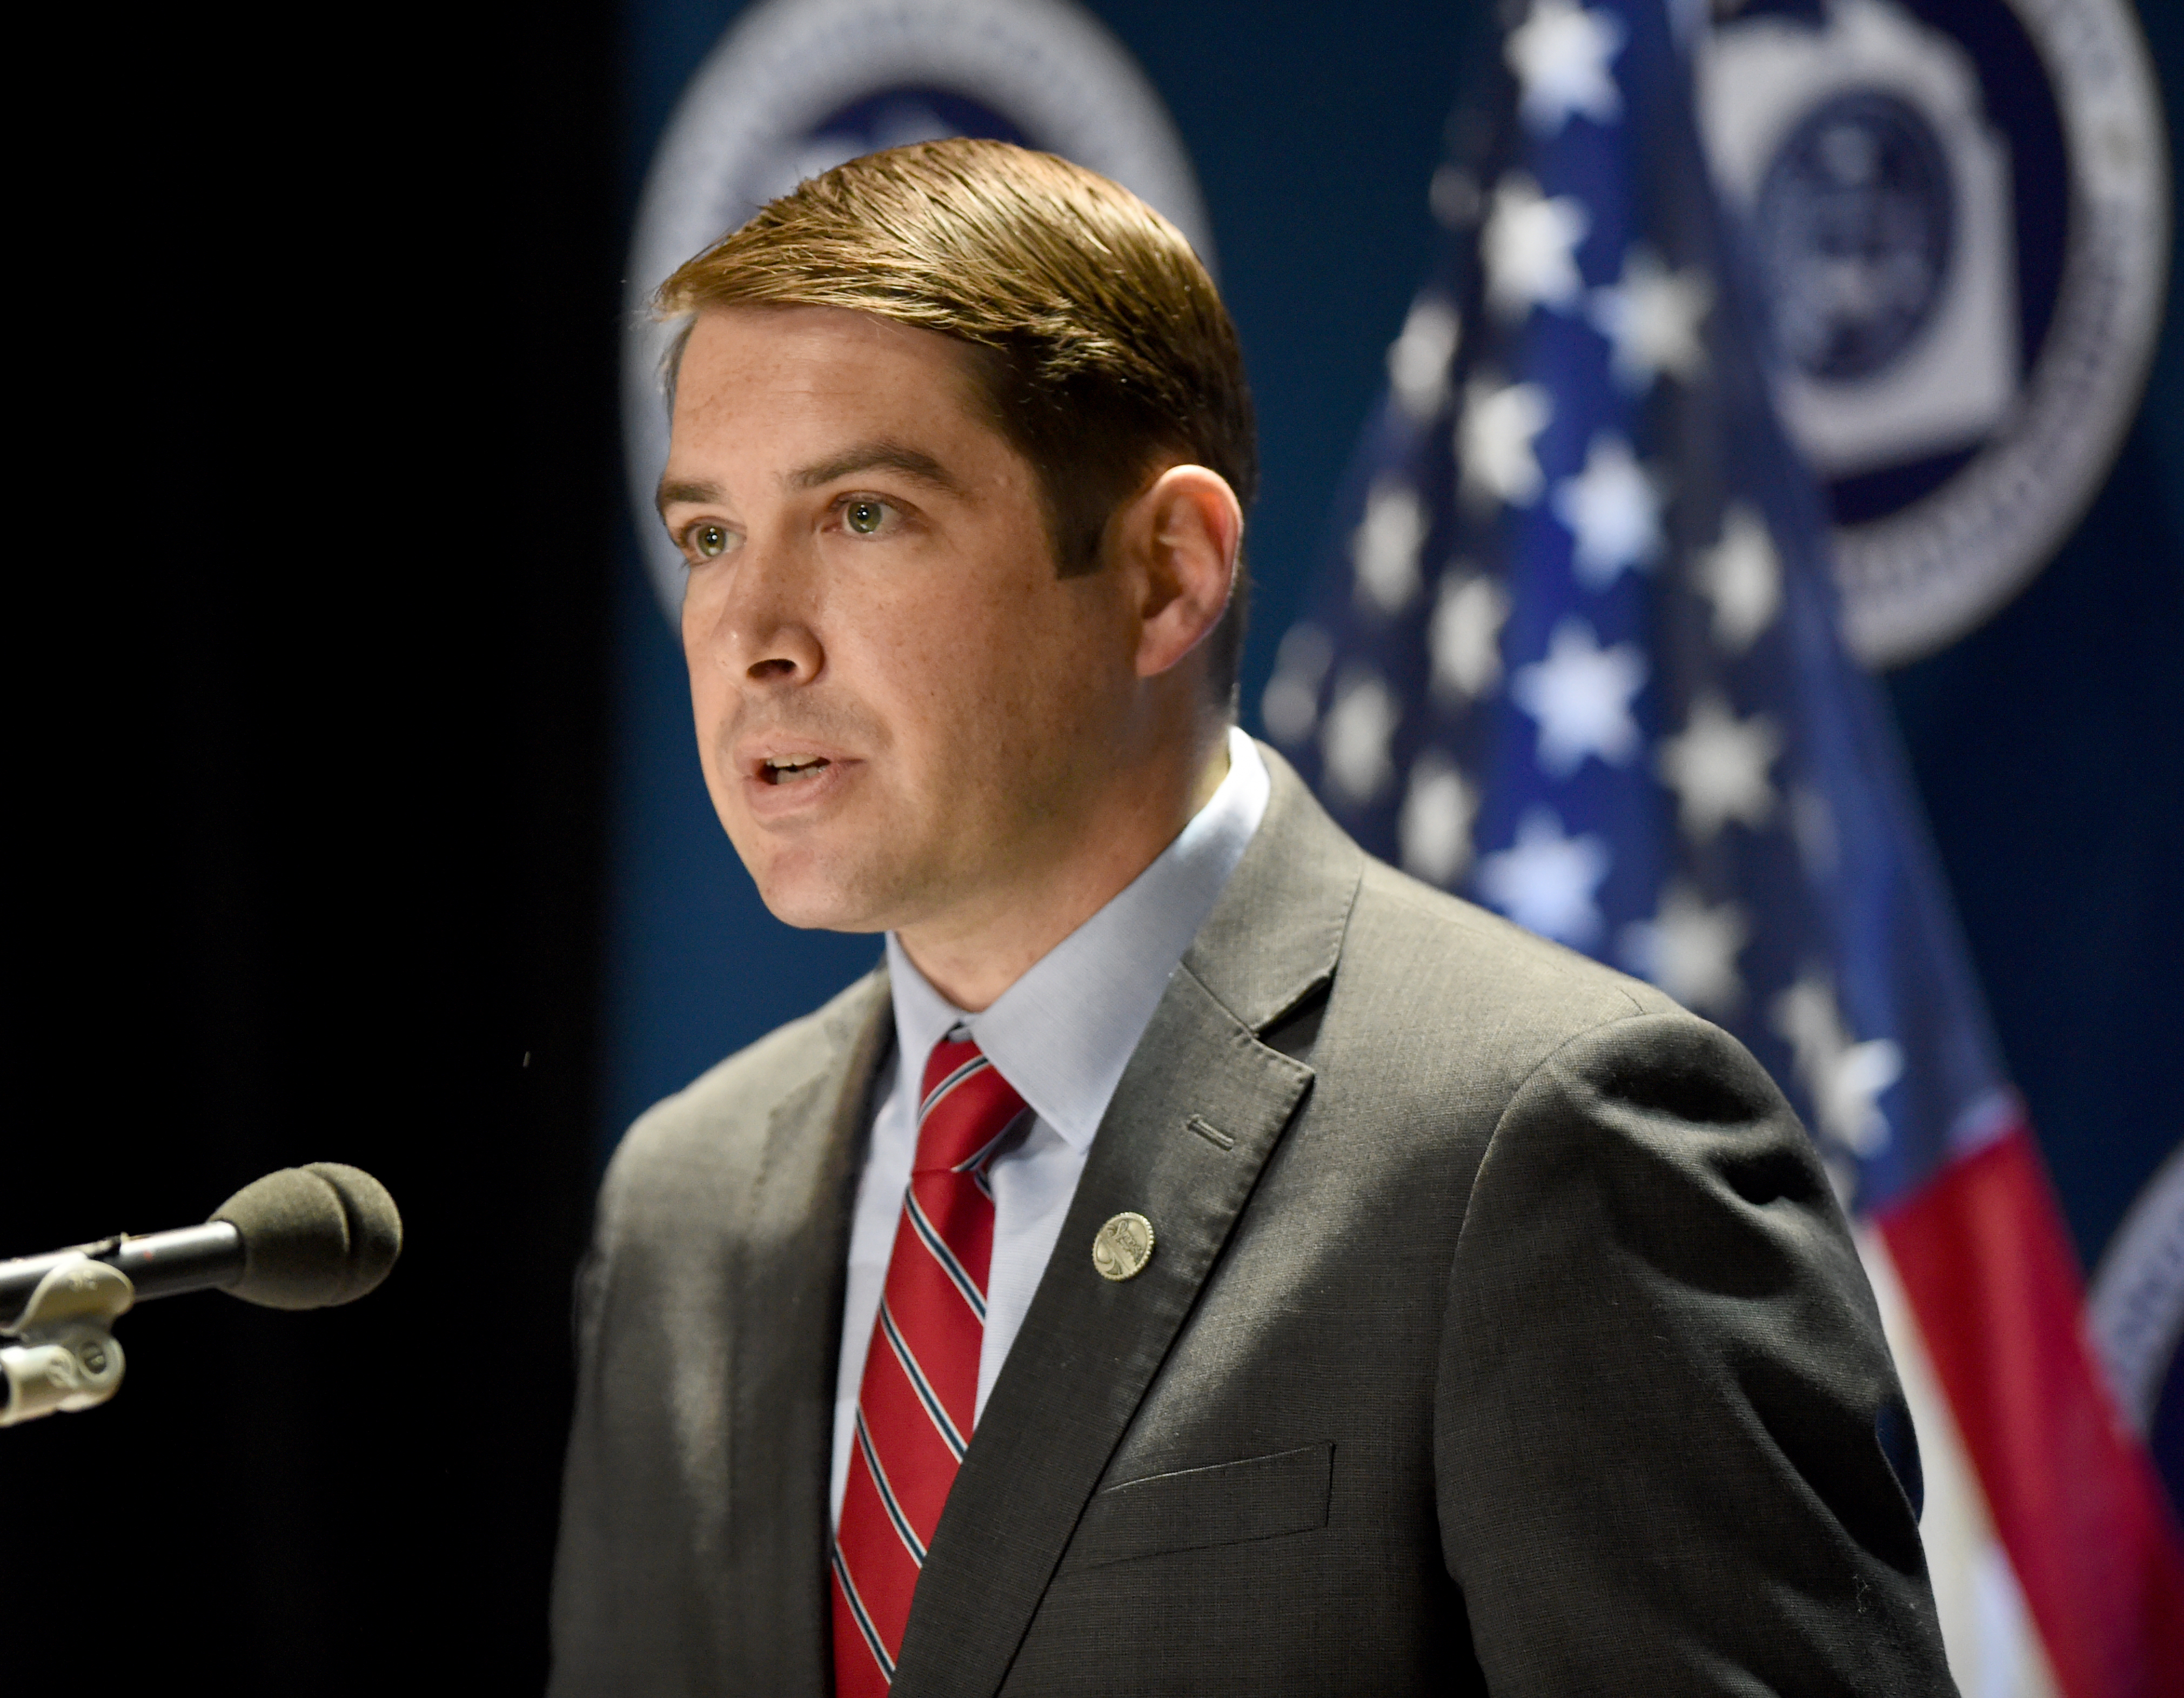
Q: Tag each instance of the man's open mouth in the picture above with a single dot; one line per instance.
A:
(790, 769)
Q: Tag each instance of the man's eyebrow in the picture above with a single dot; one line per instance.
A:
(698, 494)
(896, 457)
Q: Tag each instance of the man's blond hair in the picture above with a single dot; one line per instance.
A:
(1094, 338)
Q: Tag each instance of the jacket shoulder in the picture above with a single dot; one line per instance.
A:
(721, 1118)
(1407, 931)
(1437, 1013)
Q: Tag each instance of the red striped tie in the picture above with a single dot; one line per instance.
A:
(921, 1384)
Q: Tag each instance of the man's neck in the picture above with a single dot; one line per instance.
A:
(972, 960)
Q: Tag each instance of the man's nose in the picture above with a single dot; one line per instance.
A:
(755, 619)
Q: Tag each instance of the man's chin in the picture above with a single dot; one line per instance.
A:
(819, 904)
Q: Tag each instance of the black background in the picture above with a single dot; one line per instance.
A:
(314, 331)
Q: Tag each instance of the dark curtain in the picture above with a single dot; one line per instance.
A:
(309, 601)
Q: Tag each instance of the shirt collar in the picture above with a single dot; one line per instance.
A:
(1063, 1032)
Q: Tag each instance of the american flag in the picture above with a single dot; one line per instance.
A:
(1575, 656)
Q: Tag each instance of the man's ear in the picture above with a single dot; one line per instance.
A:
(1179, 541)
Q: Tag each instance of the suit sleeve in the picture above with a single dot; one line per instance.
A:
(1663, 1394)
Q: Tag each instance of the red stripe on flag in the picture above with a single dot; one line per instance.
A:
(1996, 1291)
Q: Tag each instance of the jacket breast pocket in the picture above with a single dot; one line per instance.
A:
(1261, 1497)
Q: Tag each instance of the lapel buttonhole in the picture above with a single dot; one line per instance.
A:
(1212, 1133)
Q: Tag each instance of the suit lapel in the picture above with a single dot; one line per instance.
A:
(791, 1262)
(1199, 1108)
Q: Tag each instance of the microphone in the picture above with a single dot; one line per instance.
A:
(304, 1237)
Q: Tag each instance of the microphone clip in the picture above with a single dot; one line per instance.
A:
(65, 1356)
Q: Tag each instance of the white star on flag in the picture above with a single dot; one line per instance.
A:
(1581, 694)
(1846, 1079)
(1291, 706)
(1717, 765)
(1613, 508)
(1385, 547)
(1741, 574)
(1466, 635)
(1546, 881)
(1439, 807)
(1652, 319)
(1528, 247)
(1561, 54)
(1494, 442)
(1418, 359)
(1353, 742)
(1690, 950)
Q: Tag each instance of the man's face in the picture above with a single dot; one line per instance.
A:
(905, 717)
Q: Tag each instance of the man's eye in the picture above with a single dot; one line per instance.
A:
(865, 517)
(709, 541)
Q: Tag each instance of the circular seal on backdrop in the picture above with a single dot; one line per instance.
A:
(797, 86)
(1959, 214)
(2135, 1309)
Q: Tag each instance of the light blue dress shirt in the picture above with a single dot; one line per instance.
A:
(1061, 1035)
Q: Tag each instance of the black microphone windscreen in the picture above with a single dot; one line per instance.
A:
(313, 1236)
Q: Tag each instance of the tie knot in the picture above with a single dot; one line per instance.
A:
(967, 1106)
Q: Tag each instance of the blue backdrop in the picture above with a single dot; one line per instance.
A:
(2048, 744)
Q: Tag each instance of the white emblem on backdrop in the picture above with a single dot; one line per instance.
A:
(797, 86)
(1878, 185)
(2135, 1308)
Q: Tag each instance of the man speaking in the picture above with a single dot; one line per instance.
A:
(1201, 1260)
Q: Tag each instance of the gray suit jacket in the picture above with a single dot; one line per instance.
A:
(1501, 1334)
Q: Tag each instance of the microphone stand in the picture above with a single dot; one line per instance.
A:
(65, 1356)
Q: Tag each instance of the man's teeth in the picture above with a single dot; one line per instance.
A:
(788, 769)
